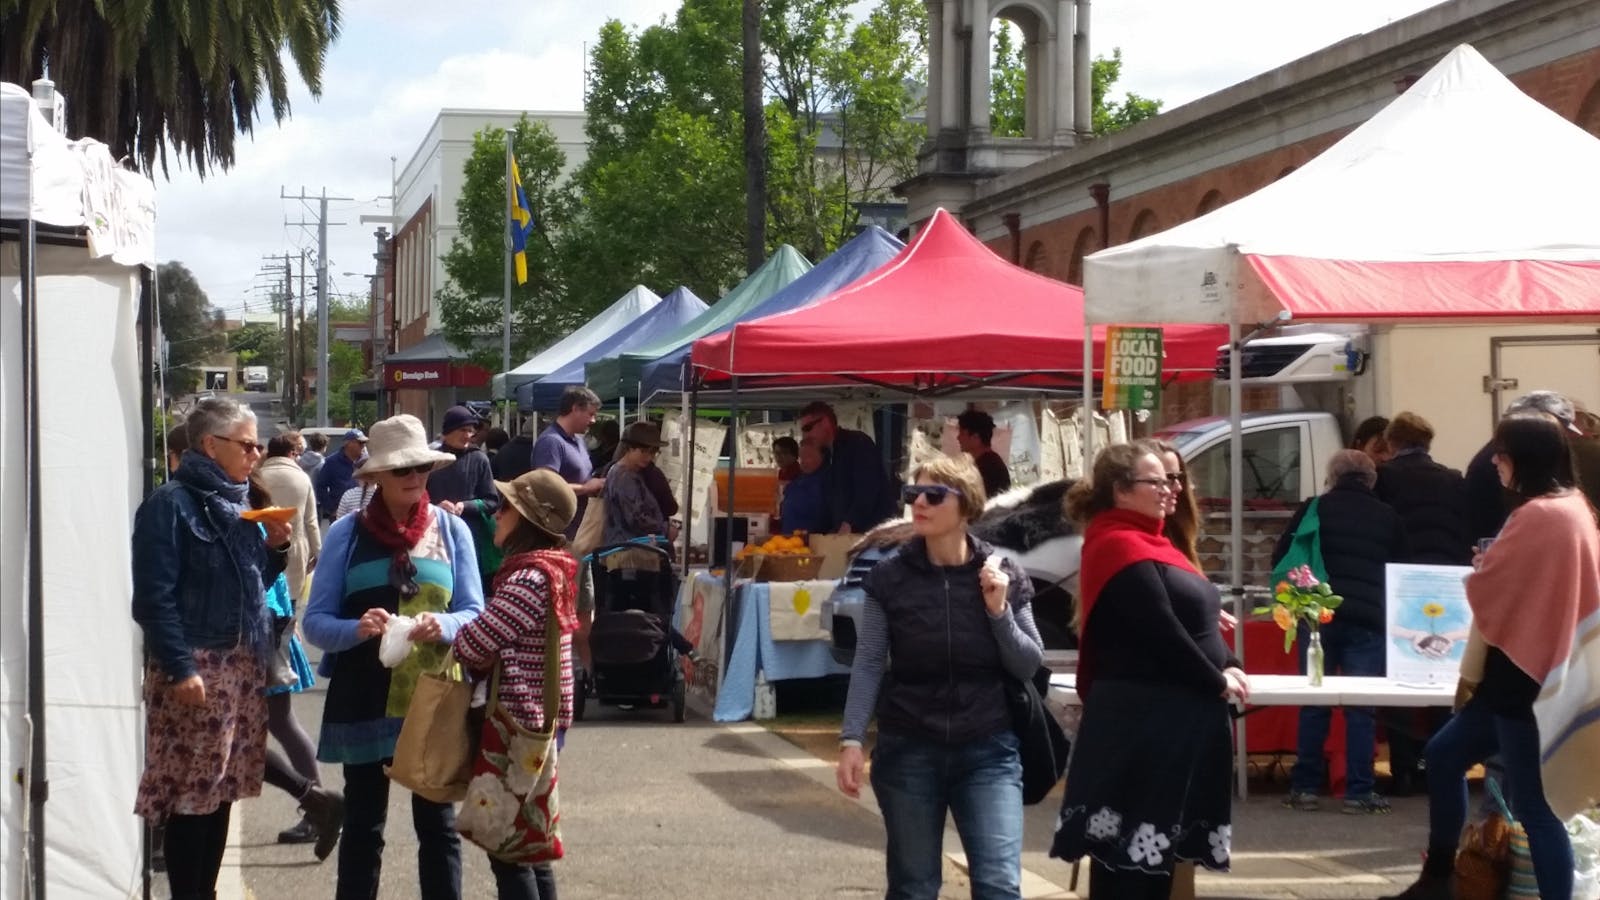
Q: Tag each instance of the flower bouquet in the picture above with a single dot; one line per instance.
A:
(1303, 596)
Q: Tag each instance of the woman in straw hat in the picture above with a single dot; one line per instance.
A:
(537, 583)
(400, 555)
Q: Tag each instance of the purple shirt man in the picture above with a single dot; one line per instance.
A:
(560, 448)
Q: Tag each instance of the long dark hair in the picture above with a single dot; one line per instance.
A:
(525, 538)
(1540, 457)
(1182, 528)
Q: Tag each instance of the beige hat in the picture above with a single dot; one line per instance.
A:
(399, 442)
(543, 498)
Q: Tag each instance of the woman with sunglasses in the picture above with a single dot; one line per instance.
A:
(400, 555)
(945, 624)
(1181, 523)
(1148, 783)
(200, 574)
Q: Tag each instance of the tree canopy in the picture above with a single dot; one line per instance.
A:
(143, 75)
(189, 325)
(1008, 89)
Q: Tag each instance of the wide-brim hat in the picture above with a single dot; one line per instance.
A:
(643, 434)
(543, 498)
(400, 442)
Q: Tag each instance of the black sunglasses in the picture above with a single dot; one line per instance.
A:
(403, 577)
(246, 446)
(933, 493)
(412, 470)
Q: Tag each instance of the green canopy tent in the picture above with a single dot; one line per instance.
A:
(617, 377)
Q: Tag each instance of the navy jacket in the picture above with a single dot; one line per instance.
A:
(858, 488)
(200, 573)
(337, 475)
(1360, 535)
(1432, 502)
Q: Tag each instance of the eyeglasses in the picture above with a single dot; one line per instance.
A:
(404, 471)
(246, 446)
(403, 577)
(934, 494)
(1175, 479)
(1162, 484)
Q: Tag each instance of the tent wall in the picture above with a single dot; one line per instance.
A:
(90, 421)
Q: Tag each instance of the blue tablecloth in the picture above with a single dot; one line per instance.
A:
(751, 649)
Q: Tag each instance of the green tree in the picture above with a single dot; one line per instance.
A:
(1008, 91)
(345, 367)
(141, 75)
(258, 344)
(189, 325)
(471, 301)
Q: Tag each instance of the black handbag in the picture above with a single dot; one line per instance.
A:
(1044, 745)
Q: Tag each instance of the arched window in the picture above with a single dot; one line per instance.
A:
(1144, 223)
(1016, 90)
(1035, 261)
(1088, 242)
(1212, 200)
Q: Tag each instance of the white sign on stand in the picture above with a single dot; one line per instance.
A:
(1428, 621)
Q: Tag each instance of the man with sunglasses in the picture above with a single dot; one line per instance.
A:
(857, 486)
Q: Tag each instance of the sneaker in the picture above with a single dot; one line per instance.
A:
(303, 832)
(1302, 801)
(1370, 805)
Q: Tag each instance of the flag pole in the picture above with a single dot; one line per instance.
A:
(505, 330)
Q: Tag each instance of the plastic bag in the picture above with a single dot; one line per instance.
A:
(396, 643)
(1585, 831)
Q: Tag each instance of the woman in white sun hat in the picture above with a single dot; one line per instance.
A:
(400, 555)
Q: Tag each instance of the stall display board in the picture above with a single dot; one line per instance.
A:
(708, 437)
(1428, 623)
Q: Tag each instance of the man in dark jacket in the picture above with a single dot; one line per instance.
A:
(466, 488)
(858, 489)
(1359, 534)
(338, 472)
(516, 457)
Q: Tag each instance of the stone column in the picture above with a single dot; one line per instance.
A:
(933, 116)
(978, 109)
(950, 60)
(1061, 52)
(1082, 63)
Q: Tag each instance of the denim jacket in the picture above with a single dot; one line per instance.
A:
(199, 575)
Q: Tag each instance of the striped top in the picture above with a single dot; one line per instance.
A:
(512, 630)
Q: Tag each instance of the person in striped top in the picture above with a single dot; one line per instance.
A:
(535, 589)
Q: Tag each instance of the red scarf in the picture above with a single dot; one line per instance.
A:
(1115, 540)
(560, 571)
(397, 536)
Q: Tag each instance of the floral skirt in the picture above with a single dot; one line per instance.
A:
(1148, 783)
(200, 757)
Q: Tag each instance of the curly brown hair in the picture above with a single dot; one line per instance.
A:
(1113, 468)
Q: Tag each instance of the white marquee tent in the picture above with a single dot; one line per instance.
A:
(76, 245)
(557, 356)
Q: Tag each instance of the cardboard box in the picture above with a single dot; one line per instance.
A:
(835, 551)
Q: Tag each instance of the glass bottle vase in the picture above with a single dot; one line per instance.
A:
(1314, 659)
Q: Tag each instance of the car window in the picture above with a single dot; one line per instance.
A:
(1271, 471)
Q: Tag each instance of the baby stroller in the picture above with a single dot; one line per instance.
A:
(630, 644)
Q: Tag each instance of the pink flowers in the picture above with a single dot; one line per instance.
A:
(1302, 577)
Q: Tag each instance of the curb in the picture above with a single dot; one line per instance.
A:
(1034, 885)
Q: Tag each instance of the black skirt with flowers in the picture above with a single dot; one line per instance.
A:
(1149, 779)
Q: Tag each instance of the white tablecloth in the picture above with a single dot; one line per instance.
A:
(1293, 690)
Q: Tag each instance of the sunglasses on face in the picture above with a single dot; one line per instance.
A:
(246, 446)
(422, 469)
(1175, 479)
(1162, 484)
(933, 494)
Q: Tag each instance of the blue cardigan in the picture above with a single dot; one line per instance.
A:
(326, 628)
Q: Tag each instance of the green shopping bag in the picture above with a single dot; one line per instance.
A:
(1305, 548)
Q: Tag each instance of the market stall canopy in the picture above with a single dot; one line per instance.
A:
(434, 362)
(945, 313)
(671, 313)
(618, 376)
(628, 307)
(859, 256)
(1462, 199)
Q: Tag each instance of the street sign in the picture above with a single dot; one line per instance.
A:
(1133, 368)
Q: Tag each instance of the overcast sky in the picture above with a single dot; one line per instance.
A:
(400, 61)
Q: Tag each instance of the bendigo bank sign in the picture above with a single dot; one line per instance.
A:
(423, 376)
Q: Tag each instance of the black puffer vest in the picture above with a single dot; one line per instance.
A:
(945, 682)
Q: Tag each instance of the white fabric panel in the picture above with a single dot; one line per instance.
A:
(628, 307)
(1424, 180)
(13, 554)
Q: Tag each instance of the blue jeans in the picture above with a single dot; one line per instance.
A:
(979, 783)
(1352, 651)
(1475, 734)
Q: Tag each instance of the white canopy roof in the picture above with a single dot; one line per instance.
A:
(628, 307)
(1462, 199)
(72, 184)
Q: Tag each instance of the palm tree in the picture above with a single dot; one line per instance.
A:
(141, 75)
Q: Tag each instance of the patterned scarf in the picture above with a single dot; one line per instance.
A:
(399, 537)
(560, 570)
(221, 499)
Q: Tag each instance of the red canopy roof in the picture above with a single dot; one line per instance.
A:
(945, 309)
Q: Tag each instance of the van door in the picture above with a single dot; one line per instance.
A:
(1568, 363)
(1278, 474)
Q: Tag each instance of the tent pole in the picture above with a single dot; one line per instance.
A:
(1236, 528)
(689, 424)
(38, 784)
(1088, 395)
(733, 469)
(147, 356)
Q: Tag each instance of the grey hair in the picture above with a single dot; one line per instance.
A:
(215, 415)
(1352, 462)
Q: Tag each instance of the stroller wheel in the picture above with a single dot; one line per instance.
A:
(680, 699)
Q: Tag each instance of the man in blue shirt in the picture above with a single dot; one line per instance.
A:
(858, 490)
(338, 472)
(804, 506)
(561, 449)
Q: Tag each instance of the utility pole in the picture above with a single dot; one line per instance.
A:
(322, 224)
(300, 384)
(285, 298)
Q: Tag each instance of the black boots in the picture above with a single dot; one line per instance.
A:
(324, 811)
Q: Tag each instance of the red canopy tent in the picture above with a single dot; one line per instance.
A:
(943, 314)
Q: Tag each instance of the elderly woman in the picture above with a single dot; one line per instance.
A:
(946, 744)
(534, 590)
(200, 573)
(400, 555)
(1359, 535)
(1148, 784)
(1525, 595)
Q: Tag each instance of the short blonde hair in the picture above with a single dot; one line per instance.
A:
(956, 472)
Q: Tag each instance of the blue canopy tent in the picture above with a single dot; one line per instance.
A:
(859, 256)
(676, 309)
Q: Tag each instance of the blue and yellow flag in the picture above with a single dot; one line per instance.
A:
(521, 225)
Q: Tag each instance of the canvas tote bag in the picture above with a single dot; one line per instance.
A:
(433, 755)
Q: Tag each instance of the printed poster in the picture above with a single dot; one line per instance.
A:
(1428, 622)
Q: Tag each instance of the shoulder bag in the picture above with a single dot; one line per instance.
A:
(1305, 548)
(512, 808)
(433, 755)
(1044, 745)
